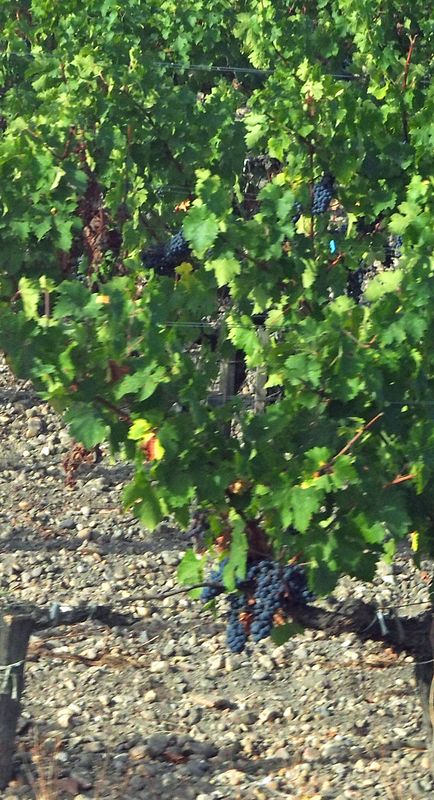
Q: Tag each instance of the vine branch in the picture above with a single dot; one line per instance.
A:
(412, 40)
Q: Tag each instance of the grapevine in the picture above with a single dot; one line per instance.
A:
(238, 358)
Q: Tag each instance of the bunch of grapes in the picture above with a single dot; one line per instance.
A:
(268, 587)
(322, 194)
(277, 586)
(356, 282)
(392, 251)
(164, 258)
(358, 278)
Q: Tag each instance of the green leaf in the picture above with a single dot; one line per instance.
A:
(256, 125)
(66, 363)
(139, 429)
(30, 293)
(225, 268)
(372, 532)
(305, 503)
(395, 514)
(42, 228)
(201, 229)
(190, 569)
(301, 369)
(73, 298)
(143, 501)
(142, 383)
(322, 580)
(382, 284)
(237, 564)
(64, 229)
(86, 425)
(344, 472)
(149, 510)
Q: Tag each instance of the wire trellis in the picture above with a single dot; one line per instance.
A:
(235, 69)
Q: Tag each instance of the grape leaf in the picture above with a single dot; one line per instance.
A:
(86, 425)
(200, 228)
(305, 503)
(30, 293)
(382, 284)
(225, 269)
(190, 569)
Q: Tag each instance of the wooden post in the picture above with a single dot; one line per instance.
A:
(424, 674)
(227, 380)
(15, 630)
(261, 377)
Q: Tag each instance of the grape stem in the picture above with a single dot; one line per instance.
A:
(412, 40)
(358, 435)
(123, 415)
(399, 479)
(329, 466)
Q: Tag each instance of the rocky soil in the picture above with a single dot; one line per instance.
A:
(160, 709)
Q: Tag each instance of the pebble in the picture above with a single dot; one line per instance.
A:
(159, 666)
(261, 675)
(334, 752)
(217, 663)
(311, 755)
(204, 749)
(283, 753)
(269, 715)
(95, 484)
(150, 696)
(93, 747)
(158, 742)
(67, 524)
(34, 427)
(232, 776)
(138, 752)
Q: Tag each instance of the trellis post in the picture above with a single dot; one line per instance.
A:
(15, 630)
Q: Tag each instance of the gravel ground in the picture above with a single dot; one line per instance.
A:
(160, 709)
